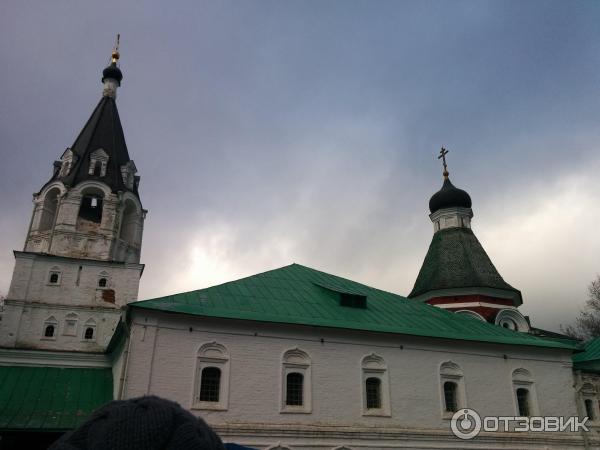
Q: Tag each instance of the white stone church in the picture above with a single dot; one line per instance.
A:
(293, 358)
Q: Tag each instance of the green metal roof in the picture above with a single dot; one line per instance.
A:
(589, 358)
(297, 294)
(456, 259)
(51, 398)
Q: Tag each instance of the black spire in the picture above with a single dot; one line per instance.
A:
(102, 131)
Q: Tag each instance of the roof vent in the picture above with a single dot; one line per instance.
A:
(353, 300)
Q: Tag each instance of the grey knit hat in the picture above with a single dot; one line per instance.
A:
(141, 423)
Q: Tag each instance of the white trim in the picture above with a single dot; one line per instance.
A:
(10, 357)
(212, 354)
(450, 371)
(374, 366)
(471, 305)
(296, 361)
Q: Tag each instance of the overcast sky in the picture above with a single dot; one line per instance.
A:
(268, 133)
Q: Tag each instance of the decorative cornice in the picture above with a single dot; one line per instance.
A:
(18, 357)
(34, 255)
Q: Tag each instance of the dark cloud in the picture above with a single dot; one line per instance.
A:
(272, 132)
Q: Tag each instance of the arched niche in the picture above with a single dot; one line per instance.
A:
(49, 209)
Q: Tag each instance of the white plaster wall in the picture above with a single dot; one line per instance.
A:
(31, 276)
(163, 357)
(23, 327)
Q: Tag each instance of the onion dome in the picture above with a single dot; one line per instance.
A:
(449, 196)
(112, 71)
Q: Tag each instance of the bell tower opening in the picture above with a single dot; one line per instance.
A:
(49, 209)
(90, 210)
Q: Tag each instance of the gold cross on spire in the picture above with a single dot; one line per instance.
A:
(115, 54)
(443, 153)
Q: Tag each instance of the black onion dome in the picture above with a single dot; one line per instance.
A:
(449, 197)
(113, 72)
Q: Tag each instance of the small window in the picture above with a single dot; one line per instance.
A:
(89, 333)
(523, 402)
(102, 282)
(450, 396)
(210, 384)
(97, 169)
(353, 300)
(49, 331)
(373, 386)
(54, 278)
(294, 389)
(589, 409)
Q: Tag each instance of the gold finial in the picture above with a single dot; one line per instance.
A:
(115, 54)
(443, 153)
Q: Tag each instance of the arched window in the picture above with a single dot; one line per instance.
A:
(452, 388)
(90, 209)
(523, 402)
(89, 330)
(375, 386)
(589, 409)
(450, 396)
(102, 282)
(296, 395)
(53, 278)
(210, 384)
(49, 209)
(524, 391)
(50, 328)
(130, 223)
(373, 392)
(89, 333)
(212, 378)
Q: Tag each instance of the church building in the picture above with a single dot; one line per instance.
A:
(291, 358)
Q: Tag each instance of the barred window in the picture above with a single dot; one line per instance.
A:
(210, 384)
(450, 397)
(294, 389)
(102, 282)
(373, 386)
(523, 402)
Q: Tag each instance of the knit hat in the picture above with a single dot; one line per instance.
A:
(141, 423)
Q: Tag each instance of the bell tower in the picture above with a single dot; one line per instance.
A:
(457, 274)
(81, 260)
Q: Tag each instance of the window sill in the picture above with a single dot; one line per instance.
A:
(446, 415)
(210, 406)
(376, 413)
(295, 410)
(48, 339)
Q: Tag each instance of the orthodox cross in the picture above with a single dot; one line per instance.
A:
(443, 153)
(115, 54)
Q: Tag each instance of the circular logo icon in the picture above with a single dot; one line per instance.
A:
(465, 423)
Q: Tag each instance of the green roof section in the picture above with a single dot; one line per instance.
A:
(296, 294)
(456, 259)
(589, 359)
(51, 398)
